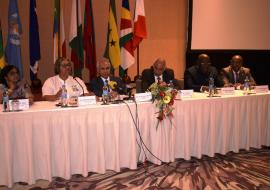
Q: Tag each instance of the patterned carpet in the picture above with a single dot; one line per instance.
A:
(248, 170)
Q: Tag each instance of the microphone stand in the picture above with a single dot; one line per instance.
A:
(79, 84)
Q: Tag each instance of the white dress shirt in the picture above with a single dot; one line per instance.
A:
(53, 84)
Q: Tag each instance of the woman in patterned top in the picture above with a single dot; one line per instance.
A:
(16, 88)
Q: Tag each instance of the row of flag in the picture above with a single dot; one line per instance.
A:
(120, 52)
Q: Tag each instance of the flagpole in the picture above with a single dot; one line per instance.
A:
(138, 76)
(138, 61)
(59, 31)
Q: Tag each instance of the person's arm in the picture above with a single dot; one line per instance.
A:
(252, 82)
(48, 91)
(189, 82)
(93, 86)
(223, 77)
(145, 81)
(53, 97)
(122, 89)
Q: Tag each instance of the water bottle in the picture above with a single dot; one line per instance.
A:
(105, 94)
(171, 84)
(5, 100)
(211, 87)
(246, 85)
(64, 96)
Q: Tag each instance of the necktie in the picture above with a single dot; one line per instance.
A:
(158, 79)
(236, 78)
(106, 82)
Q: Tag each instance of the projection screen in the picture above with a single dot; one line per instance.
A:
(230, 25)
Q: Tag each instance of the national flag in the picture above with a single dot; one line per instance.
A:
(126, 36)
(89, 39)
(13, 47)
(59, 39)
(112, 51)
(140, 32)
(2, 57)
(76, 38)
(34, 45)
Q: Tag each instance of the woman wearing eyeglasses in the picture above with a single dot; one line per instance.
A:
(16, 88)
(52, 88)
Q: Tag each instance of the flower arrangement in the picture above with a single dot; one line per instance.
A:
(112, 84)
(163, 96)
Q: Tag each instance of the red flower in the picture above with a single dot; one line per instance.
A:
(171, 102)
(162, 94)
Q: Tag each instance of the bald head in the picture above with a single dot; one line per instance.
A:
(104, 68)
(236, 62)
(203, 58)
(204, 63)
(159, 66)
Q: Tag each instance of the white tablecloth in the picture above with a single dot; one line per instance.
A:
(47, 141)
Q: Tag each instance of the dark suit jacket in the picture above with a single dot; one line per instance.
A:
(148, 78)
(194, 79)
(228, 77)
(96, 85)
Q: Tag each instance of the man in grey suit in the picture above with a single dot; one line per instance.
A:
(235, 74)
(96, 85)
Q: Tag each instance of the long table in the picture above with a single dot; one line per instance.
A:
(47, 141)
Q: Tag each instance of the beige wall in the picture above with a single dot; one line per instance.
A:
(166, 27)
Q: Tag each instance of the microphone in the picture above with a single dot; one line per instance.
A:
(79, 84)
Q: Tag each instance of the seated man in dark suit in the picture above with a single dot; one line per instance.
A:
(158, 72)
(197, 76)
(104, 78)
(235, 74)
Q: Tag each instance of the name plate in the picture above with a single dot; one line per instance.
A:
(143, 97)
(87, 100)
(186, 93)
(227, 91)
(18, 104)
(261, 89)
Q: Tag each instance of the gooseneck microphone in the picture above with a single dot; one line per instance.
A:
(79, 84)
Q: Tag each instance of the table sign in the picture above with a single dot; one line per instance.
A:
(227, 91)
(18, 104)
(143, 97)
(87, 100)
(186, 93)
(261, 89)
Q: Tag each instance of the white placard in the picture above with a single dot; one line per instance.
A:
(261, 89)
(87, 100)
(186, 93)
(227, 91)
(18, 104)
(143, 97)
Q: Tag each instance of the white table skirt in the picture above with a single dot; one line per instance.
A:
(46, 141)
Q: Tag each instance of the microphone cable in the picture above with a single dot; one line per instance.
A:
(137, 129)
(141, 141)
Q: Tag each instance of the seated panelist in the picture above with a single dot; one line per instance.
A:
(52, 87)
(104, 78)
(16, 88)
(158, 73)
(235, 74)
(197, 76)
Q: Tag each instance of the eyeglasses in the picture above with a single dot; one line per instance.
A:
(65, 65)
(13, 73)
